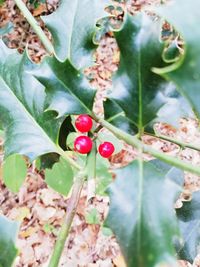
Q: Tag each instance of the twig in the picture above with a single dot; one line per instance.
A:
(175, 141)
(66, 225)
(34, 24)
(135, 142)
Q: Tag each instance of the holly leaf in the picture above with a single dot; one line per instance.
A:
(14, 172)
(68, 91)
(60, 177)
(189, 221)
(72, 27)
(141, 211)
(137, 93)
(8, 233)
(28, 129)
(185, 72)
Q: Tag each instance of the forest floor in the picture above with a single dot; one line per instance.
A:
(39, 209)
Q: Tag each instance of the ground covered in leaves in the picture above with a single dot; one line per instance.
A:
(39, 209)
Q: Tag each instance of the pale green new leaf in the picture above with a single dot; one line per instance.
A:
(60, 177)
(72, 26)
(142, 215)
(8, 234)
(185, 73)
(14, 172)
(28, 129)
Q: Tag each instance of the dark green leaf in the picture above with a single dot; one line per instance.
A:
(28, 129)
(185, 73)
(137, 91)
(65, 129)
(141, 213)
(8, 233)
(189, 221)
(47, 161)
(14, 172)
(72, 26)
(68, 91)
(60, 177)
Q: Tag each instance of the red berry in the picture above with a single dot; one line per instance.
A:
(83, 144)
(83, 123)
(106, 149)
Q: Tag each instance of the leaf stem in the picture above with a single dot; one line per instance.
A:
(34, 24)
(175, 141)
(133, 141)
(66, 225)
(91, 172)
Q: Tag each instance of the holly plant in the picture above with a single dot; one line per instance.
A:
(47, 118)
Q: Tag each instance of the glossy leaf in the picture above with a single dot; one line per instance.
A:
(141, 213)
(185, 72)
(8, 233)
(14, 172)
(60, 177)
(28, 130)
(138, 93)
(72, 26)
(189, 221)
(68, 91)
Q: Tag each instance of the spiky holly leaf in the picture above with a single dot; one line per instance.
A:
(28, 129)
(72, 26)
(185, 72)
(8, 233)
(68, 91)
(141, 213)
(189, 220)
(137, 91)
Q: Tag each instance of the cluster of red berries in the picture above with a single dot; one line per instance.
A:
(83, 144)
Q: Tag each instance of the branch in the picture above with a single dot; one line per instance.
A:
(89, 171)
(34, 24)
(133, 141)
(175, 141)
(66, 225)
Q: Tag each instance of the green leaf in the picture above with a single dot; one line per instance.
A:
(28, 129)
(60, 177)
(138, 93)
(106, 231)
(14, 172)
(92, 217)
(8, 233)
(109, 137)
(68, 91)
(65, 129)
(72, 26)
(103, 176)
(185, 72)
(71, 138)
(141, 213)
(189, 221)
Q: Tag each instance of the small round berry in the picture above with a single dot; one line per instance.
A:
(83, 123)
(83, 144)
(106, 149)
